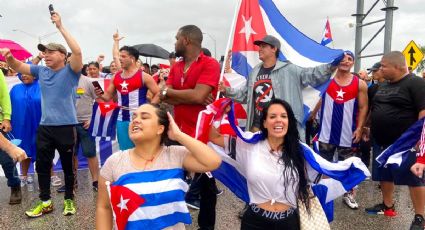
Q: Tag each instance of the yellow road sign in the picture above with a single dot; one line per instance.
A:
(413, 55)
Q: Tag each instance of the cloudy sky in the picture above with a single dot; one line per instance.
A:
(92, 22)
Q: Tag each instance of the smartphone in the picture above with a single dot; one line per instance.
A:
(51, 10)
(97, 85)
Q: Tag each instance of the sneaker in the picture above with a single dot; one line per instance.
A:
(195, 204)
(23, 181)
(418, 223)
(40, 208)
(69, 207)
(61, 189)
(349, 200)
(30, 180)
(381, 209)
(95, 186)
(55, 181)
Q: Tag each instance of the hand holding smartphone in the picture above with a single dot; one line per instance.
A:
(51, 9)
(97, 86)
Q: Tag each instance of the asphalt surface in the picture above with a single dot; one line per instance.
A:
(13, 217)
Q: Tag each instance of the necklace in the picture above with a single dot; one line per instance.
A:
(148, 161)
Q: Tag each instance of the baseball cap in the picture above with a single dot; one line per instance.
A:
(53, 47)
(375, 67)
(269, 39)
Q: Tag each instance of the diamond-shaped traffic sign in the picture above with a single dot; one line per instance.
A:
(413, 55)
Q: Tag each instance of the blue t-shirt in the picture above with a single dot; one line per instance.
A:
(57, 95)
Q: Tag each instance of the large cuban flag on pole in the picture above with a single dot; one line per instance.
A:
(257, 18)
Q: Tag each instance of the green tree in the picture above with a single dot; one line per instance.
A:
(421, 66)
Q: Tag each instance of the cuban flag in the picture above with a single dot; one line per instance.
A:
(257, 18)
(397, 153)
(104, 120)
(343, 175)
(149, 200)
(327, 34)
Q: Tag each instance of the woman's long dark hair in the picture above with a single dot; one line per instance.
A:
(292, 156)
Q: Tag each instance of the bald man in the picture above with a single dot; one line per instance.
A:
(398, 104)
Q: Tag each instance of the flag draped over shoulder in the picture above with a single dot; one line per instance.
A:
(257, 18)
(104, 120)
(344, 175)
(327, 34)
(397, 153)
(149, 200)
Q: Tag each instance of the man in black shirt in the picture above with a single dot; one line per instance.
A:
(397, 104)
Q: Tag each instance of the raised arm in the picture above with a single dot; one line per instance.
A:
(116, 49)
(201, 157)
(76, 59)
(15, 64)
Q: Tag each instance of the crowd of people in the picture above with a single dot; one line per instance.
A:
(51, 110)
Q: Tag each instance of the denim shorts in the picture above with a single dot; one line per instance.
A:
(87, 142)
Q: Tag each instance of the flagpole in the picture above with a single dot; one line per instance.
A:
(232, 28)
(327, 19)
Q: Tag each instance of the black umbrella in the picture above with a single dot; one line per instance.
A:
(152, 50)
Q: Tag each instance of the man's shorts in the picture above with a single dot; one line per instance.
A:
(87, 142)
(392, 173)
(328, 151)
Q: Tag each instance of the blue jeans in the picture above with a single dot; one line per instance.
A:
(9, 169)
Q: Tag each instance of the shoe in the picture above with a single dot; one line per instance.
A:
(15, 195)
(195, 204)
(418, 223)
(69, 207)
(382, 209)
(40, 208)
(95, 185)
(349, 200)
(30, 180)
(61, 189)
(23, 181)
(55, 181)
(220, 192)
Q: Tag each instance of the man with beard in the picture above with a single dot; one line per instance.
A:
(190, 84)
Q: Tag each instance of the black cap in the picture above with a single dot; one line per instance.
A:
(375, 67)
(269, 39)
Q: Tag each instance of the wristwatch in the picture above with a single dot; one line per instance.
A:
(164, 92)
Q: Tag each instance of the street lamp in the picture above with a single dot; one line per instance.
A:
(215, 44)
(35, 36)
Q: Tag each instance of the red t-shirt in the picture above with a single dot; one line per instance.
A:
(205, 70)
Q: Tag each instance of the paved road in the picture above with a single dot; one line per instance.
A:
(12, 217)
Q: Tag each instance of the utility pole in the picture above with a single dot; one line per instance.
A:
(389, 11)
(359, 34)
(360, 16)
